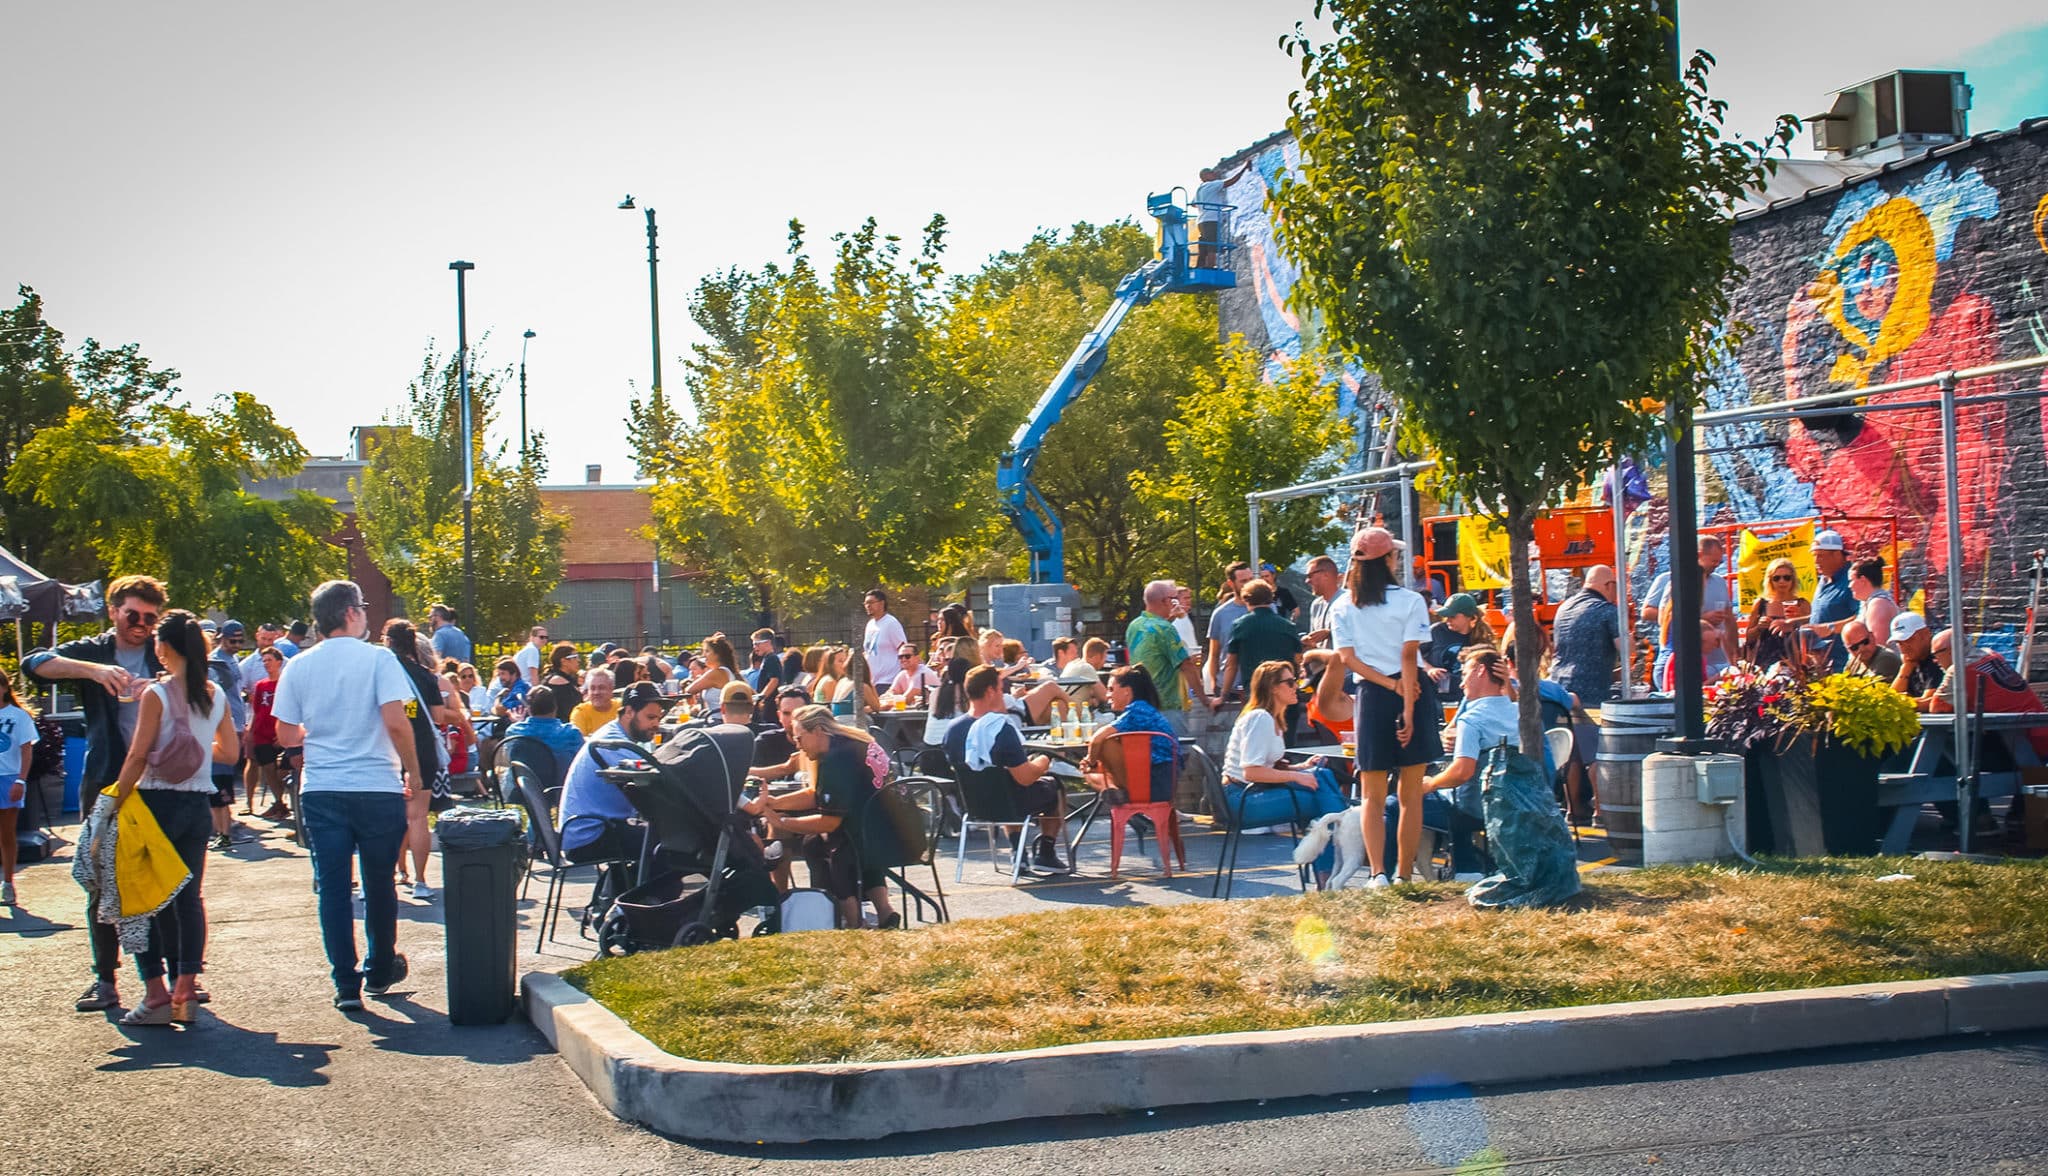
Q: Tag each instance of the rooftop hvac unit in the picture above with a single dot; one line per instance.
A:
(1904, 112)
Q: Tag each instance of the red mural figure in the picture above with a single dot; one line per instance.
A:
(1883, 309)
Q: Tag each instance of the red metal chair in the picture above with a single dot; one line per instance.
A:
(1136, 747)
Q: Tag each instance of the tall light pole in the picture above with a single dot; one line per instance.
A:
(462, 269)
(653, 292)
(523, 435)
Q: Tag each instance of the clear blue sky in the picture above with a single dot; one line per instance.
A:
(266, 196)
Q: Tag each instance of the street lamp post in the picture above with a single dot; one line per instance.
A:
(462, 269)
(523, 434)
(653, 292)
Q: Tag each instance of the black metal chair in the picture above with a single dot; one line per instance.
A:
(547, 849)
(901, 827)
(1233, 818)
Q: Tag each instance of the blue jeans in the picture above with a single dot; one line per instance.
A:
(1439, 813)
(1280, 804)
(342, 827)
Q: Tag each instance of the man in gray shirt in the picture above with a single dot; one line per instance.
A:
(1227, 613)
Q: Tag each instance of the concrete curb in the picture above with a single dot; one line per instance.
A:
(638, 1082)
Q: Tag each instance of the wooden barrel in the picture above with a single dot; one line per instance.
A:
(1629, 730)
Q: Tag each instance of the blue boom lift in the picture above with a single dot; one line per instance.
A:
(1175, 271)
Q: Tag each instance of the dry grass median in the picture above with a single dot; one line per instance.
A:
(1353, 957)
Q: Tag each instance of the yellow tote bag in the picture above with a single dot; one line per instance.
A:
(147, 870)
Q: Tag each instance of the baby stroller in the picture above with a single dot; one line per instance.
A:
(702, 869)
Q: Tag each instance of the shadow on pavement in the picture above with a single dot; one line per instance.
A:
(224, 1048)
(29, 925)
(425, 1032)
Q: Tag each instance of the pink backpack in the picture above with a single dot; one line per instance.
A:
(177, 756)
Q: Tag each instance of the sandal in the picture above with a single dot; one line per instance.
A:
(891, 922)
(149, 1014)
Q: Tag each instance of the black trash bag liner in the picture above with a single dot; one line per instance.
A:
(1525, 829)
(478, 828)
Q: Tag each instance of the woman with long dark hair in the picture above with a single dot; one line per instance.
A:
(563, 676)
(949, 705)
(956, 620)
(1379, 628)
(426, 711)
(179, 720)
(705, 689)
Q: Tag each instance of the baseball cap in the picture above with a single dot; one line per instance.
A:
(1906, 624)
(1461, 604)
(1374, 543)
(209, 626)
(639, 694)
(1828, 541)
(231, 628)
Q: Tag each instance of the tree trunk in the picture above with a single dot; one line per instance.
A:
(1528, 654)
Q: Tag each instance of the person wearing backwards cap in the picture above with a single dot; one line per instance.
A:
(1379, 628)
(1458, 627)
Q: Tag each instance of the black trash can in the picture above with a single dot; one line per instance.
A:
(481, 853)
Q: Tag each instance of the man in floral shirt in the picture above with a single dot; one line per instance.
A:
(1154, 643)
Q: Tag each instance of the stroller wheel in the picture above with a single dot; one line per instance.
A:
(612, 936)
(694, 935)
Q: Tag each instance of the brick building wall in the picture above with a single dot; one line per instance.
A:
(1923, 267)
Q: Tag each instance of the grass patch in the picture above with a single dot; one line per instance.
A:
(1351, 957)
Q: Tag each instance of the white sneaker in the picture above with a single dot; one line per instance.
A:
(1378, 882)
(422, 892)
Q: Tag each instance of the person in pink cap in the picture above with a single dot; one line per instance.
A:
(1378, 628)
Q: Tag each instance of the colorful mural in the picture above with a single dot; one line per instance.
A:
(1921, 269)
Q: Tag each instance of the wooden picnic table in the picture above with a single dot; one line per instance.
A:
(1930, 776)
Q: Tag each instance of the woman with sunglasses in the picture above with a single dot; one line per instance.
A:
(1775, 620)
(1253, 776)
(563, 677)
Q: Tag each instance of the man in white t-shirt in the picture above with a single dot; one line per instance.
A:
(529, 656)
(1078, 669)
(883, 637)
(343, 701)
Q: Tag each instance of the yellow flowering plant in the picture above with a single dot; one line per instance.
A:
(1865, 714)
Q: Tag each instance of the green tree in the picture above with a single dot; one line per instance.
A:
(162, 491)
(40, 383)
(1516, 214)
(822, 453)
(1011, 327)
(1238, 433)
(409, 505)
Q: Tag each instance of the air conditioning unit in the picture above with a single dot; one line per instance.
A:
(1901, 113)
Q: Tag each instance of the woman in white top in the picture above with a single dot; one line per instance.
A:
(706, 687)
(178, 722)
(1259, 790)
(1379, 628)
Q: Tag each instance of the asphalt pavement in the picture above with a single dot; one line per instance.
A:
(272, 1079)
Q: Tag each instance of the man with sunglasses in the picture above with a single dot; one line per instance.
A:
(112, 669)
(1868, 659)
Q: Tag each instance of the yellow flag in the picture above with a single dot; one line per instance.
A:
(1755, 554)
(1482, 554)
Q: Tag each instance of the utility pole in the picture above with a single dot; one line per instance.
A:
(653, 292)
(462, 269)
(523, 434)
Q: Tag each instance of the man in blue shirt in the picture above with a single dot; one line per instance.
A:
(448, 640)
(1833, 603)
(595, 815)
(1487, 718)
(543, 724)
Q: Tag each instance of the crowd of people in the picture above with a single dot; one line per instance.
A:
(368, 734)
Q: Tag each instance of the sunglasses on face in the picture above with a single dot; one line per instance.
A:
(1784, 579)
(1860, 644)
(132, 617)
(1287, 681)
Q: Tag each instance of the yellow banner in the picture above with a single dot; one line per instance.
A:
(1753, 555)
(1482, 554)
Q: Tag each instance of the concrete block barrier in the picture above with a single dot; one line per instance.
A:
(638, 1082)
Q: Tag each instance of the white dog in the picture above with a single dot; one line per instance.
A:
(1348, 828)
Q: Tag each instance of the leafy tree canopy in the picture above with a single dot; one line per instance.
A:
(1517, 214)
(409, 505)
